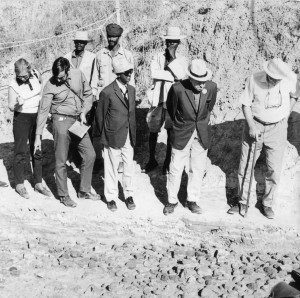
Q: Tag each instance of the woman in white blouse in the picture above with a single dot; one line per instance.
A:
(24, 96)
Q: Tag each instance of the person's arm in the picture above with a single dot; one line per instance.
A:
(294, 95)
(14, 99)
(213, 98)
(158, 73)
(101, 111)
(94, 77)
(172, 101)
(44, 109)
(87, 96)
(246, 101)
(254, 131)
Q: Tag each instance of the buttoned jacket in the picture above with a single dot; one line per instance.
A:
(115, 117)
(186, 118)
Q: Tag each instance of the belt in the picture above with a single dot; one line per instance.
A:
(69, 116)
(264, 123)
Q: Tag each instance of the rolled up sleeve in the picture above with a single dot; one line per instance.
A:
(246, 97)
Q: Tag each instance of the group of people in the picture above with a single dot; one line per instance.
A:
(98, 89)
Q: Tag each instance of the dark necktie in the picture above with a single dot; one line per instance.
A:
(125, 96)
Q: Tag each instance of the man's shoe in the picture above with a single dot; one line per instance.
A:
(130, 203)
(239, 208)
(193, 207)
(268, 212)
(169, 208)
(39, 187)
(21, 190)
(151, 165)
(67, 201)
(112, 206)
(88, 196)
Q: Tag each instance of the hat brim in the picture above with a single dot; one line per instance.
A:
(87, 40)
(173, 37)
(202, 79)
(271, 74)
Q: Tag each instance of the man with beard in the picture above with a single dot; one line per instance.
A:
(68, 97)
(105, 58)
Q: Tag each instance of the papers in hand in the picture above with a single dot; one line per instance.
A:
(79, 130)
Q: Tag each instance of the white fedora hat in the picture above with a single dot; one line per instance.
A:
(81, 35)
(121, 65)
(277, 69)
(198, 71)
(173, 33)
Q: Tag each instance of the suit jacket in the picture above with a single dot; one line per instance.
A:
(114, 117)
(182, 109)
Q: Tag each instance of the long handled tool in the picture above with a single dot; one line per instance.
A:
(251, 177)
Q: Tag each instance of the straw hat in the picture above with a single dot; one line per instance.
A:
(121, 65)
(198, 71)
(81, 35)
(173, 33)
(277, 69)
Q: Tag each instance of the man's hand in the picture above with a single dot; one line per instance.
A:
(171, 52)
(82, 118)
(254, 132)
(37, 143)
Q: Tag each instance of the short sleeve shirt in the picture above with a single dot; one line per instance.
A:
(259, 95)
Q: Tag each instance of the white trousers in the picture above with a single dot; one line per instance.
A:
(194, 155)
(112, 157)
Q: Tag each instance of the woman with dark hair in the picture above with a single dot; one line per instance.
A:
(24, 95)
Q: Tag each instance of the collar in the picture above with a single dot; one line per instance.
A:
(122, 87)
(74, 55)
(120, 51)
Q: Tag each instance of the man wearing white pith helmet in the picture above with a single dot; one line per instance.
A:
(189, 104)
(115, 121)
(267, 100)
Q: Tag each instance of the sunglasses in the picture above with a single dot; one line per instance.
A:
(128, 72)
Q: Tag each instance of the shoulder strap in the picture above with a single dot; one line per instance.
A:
(70, 88)
(92, 72)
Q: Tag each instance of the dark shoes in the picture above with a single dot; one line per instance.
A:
(39, 187)
(239, 208)
(268, 212)
(88, 196)
(193, 207)
(169, 208)
(130, 203)
(21, 190)
(67, 201)
(150, 166)
(112, 206)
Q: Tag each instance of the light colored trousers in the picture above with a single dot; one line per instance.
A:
(194, 155)
(111, 162)
(274, 140)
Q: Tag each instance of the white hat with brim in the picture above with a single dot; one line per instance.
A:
(277, 69)
(121, 65)
(198, 71)
(173, 33)
(82, 35)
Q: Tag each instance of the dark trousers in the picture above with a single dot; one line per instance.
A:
(24, 127)
(62, 141)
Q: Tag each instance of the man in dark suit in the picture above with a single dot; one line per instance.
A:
(115, 120)
(189, 104)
